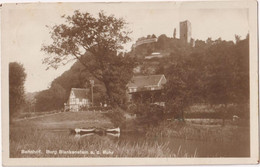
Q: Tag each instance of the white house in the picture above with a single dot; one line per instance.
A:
(78, 99)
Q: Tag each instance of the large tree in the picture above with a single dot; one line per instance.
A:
(17, 78)
(240, 85)
(94, 42)
(183, 84)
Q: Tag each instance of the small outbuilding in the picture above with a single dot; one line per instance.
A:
(146, 88)
(78, 99)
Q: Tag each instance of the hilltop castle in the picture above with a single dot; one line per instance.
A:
(151, 47)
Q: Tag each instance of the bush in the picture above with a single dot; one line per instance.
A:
(219, 111)
(147, 114)
(96, 108)
(116, 117)
(209, 115)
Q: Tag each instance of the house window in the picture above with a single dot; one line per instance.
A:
(72, 95)
(72, 101)
(77, 101)
(84, 101)
(132, 90)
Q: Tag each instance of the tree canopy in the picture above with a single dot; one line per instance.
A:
(17, 78)
(215, 72)
(95, 43)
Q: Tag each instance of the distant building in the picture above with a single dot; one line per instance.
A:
(185, 31)
(144, 40)
(137, 69)
(154, 55)
(78, 99)
(146, 88)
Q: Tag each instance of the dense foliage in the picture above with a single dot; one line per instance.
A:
(17, 78)
(214, 72)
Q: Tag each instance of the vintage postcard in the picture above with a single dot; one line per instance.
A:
(129, 83)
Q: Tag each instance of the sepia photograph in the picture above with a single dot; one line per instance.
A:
(113, 80)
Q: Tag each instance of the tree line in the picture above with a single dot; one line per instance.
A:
(213, 72)
(17, 78)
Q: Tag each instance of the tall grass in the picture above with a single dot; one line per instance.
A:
(215, 133)
(218, 111)
(33, 139)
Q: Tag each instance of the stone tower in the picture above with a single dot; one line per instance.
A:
(185, 31)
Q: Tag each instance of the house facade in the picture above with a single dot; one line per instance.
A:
(148, 88)
(78, 99)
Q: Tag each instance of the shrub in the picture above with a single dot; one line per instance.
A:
(218, 111)
(116, 117)
(147, 114)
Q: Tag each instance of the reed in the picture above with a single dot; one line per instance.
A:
(203, 132)
(100, 146)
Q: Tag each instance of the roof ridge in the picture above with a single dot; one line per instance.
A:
(148, 75)
(79, 88)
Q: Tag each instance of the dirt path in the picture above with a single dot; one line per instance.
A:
(29, 118)
(64, 120)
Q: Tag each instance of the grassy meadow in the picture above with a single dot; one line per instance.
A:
(169, 138)
(202, 130)
(65, 120)
(102, 146)
(52, 133)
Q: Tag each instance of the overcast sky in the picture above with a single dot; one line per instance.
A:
(24, 28)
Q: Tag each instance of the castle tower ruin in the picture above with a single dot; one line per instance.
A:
(185, 31)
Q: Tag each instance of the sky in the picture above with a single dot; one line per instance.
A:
(24, 28)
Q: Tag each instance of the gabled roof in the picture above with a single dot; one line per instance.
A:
(145, 81)
(80, 93)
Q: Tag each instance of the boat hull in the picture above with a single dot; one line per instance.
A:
(96, 130)
(80, 131)
(115, 130)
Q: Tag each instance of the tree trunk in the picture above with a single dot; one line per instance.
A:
(108, 92)
(224, 115)
(182, 115)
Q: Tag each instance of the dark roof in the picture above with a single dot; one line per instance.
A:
(80, 93)
(142, 81)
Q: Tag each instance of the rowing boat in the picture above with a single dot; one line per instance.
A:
(80, 130)
(96, 130)
(115, 130)
(113, 134)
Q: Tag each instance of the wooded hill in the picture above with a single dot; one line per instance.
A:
(58, 93)
(212, 71)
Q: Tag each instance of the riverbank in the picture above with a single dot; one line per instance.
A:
(51, 134)
(189, 130)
